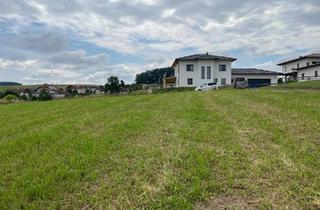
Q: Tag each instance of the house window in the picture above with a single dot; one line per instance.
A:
(208, 72)
(298, 65)
(203, 72)
(190, 81)
(316, 74)
(308, 64)
(223, 81)
(190, 67)
(222, 67)
(285, 69)
(215, 80)
(302, 76)
(314, 62)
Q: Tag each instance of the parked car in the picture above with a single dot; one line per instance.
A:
(206, 87)
(242, 84)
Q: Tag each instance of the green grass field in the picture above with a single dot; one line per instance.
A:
(231, 148)
(315, 85)
(13, 87)
(4, 88)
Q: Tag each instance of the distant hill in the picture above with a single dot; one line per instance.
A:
(9, 83)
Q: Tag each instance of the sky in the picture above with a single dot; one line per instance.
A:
(86, 41)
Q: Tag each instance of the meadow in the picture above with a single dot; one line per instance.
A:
(243, 149)
(309, 85)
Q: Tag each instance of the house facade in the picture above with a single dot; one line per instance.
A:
(309, 72)
(302, 68)
(195, 70)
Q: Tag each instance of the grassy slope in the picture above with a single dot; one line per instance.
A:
(4, 88)
(13, 87)
(315, 85)
(170, 151)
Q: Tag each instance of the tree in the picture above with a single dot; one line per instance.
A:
(45, 96)
(72, 91)
(154, 76)
(113, 85)
(134, 87)
(122, 84)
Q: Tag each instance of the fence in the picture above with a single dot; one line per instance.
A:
(308, 78)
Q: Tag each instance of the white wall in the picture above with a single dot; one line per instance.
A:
(274, 78)
(287, 68)
(309, 73)
(182, 74)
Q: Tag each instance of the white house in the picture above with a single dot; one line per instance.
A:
(194, 70)
(302, 68)
(311, 72)
(53, 90)
(85, 89)
(255, 77)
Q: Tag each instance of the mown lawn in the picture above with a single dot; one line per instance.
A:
(231, 148)
(315, 85)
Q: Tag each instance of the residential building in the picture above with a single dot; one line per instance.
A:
(85, 89)
(302, 68)
(195, 70)
(311, 72)
(53, 90)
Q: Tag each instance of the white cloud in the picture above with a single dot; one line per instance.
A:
(149, 29)
(79, 58)
(168, 13)
(5, 64)
(145, 2)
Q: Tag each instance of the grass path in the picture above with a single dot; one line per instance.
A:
(247, 148)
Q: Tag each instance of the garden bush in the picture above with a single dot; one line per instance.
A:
(10, 98)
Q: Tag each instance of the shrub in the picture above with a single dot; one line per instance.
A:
(45, 96)
(33, 98)
(24, 97)
(10, 98)
(71, 91)
(134, 87)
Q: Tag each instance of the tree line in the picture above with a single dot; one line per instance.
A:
(154, 76)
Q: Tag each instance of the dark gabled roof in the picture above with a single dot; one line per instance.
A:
(306, 67)
(50, 87)
(313, 55)
(202, 57)
(83, 86)
(253, 71)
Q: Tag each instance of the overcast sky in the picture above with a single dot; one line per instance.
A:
(85, 41)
